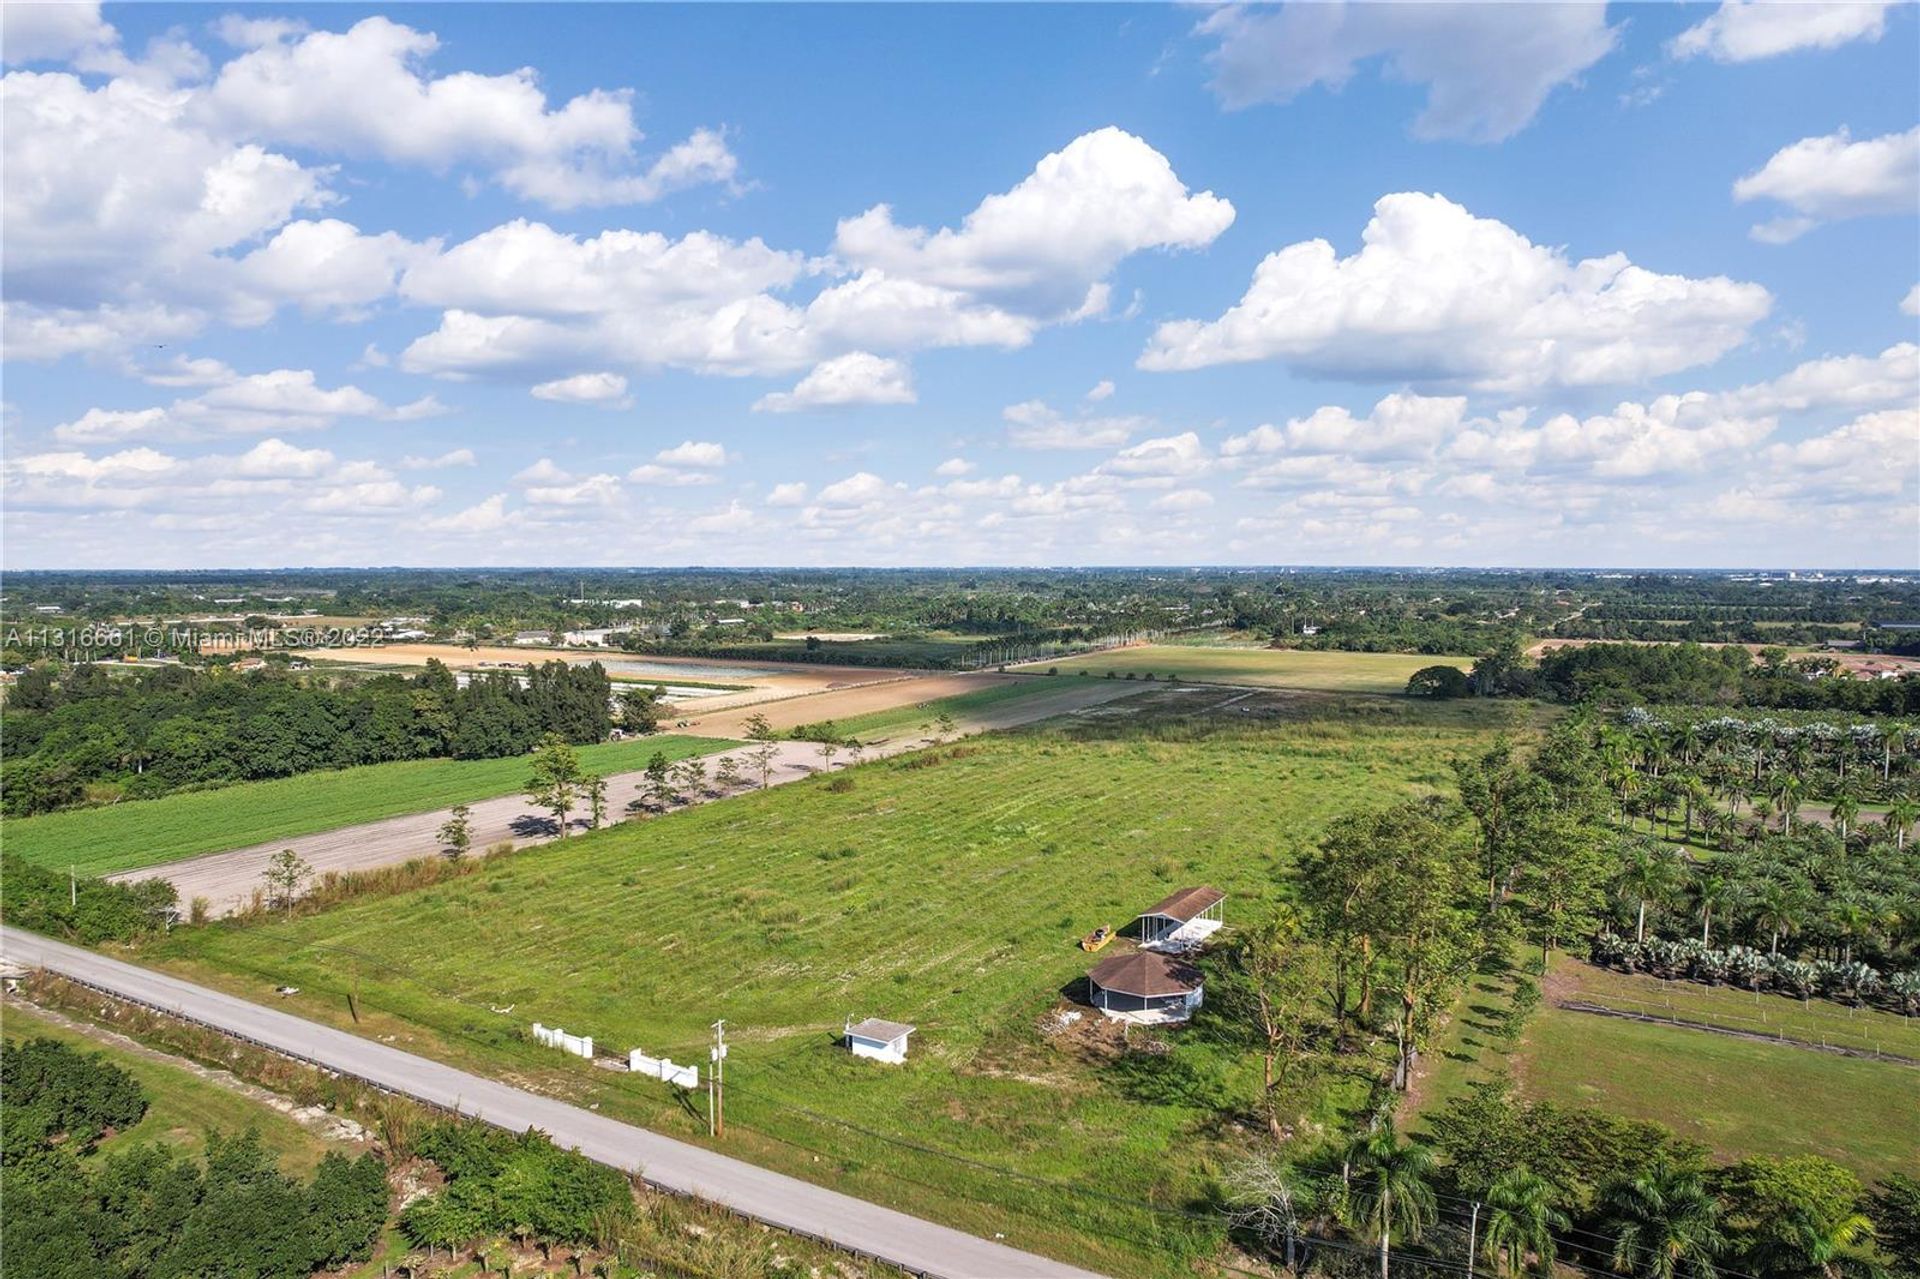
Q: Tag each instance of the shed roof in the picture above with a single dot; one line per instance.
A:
(879, 1030)
(1144, 973)
(1187, 903)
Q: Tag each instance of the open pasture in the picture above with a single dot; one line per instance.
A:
(150, 832)
(946, 889)
(1264, 667)
(1738, 1096)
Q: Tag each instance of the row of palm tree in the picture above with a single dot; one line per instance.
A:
(1705, 771)
(1812, 895)
(1661, 1221)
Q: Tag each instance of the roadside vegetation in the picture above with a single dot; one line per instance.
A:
(128, 1162)
(182, 1104)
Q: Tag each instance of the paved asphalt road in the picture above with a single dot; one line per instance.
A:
(770, 1197)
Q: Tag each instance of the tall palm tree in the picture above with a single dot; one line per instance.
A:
(1388, 1187)
(1665, 1224)
(1902, 812)
(1712, 891)
(1851, 919)
(1786, 793)
(1521, 1219)
(1778, 908)
(1648, 875)
(1809, 1244)
(1845, 808)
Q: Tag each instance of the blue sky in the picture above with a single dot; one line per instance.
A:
(1324, 284)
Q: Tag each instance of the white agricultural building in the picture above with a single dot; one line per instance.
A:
(880, 1040)
(1182, 921)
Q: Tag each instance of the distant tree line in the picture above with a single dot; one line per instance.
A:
(82, 733)
(1694, 674)
(1621, 674)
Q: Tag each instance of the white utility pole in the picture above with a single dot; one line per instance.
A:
(1473, 1237)
(717, 1079)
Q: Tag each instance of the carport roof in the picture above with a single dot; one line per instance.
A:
(1187, 903)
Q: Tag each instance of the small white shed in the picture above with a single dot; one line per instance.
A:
(880, 1040)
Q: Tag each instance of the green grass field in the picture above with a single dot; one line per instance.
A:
(1265, 667)
(100, 841)
(948, 895)
(181, 1103)
(1737, 1096)
(1039, 695)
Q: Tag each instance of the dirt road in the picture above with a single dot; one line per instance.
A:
(229, 880)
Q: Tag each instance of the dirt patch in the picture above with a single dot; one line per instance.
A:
(883, 691)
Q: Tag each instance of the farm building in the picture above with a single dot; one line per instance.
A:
(1183, 920)
(533, 637)
(880, 1040)
(1144, 986)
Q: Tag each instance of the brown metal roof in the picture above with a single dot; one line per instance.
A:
(1187, 903)
(1144, 972)
(877, 1029)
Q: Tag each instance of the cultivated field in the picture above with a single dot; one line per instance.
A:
(945, 889)
(1263, 667)
(183, 1100)
(101, 841)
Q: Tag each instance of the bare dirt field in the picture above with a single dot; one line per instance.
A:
(765, 681)
(726, 717)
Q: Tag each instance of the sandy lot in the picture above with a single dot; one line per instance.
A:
(766, 680)
(717, 717)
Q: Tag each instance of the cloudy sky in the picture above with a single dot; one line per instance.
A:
(1536, 284)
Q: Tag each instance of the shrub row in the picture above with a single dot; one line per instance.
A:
(1851, 983)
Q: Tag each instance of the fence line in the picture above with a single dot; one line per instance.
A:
(1874, 1052)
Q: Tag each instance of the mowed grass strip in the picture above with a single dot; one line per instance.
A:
(1265, 667)
(1815, 1021)
(948, 894)
(182, 1103)
(1041, 697)
(150, 832)
(1738, 1096)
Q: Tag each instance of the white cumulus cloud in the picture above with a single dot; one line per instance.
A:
(858, 377)
(1438, 296)
(1487, 67)
(608, 389)
(1825, 178)
(1748, 30)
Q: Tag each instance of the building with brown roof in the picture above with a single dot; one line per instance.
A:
(1145, 986)
(1182, 920)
